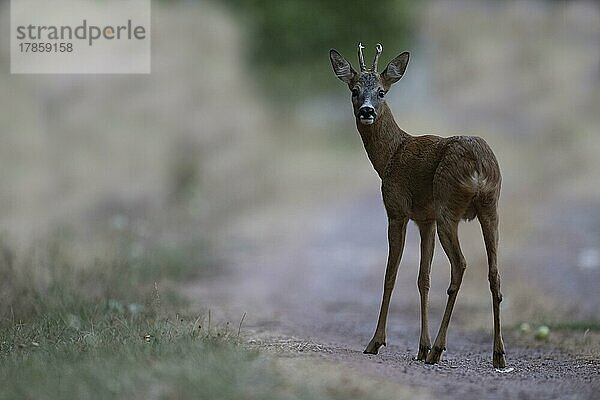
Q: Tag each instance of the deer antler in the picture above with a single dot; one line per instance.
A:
(378, 50)
(361, 58)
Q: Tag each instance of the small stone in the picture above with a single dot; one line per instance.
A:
(542, 333)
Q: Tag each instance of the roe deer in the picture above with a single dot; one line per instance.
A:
(434, 181)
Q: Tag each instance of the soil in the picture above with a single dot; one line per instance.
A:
(317, 294)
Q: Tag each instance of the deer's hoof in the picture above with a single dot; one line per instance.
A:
(374, 345)
(434, 355)
(498, 360)
(423, 351)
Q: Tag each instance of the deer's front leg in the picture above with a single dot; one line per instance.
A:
(396, 235)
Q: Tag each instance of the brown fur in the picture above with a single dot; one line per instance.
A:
(436, 182)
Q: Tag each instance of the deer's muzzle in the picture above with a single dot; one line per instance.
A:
(366, 115)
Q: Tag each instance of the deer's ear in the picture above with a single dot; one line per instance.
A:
(342, 68)
(395, 69)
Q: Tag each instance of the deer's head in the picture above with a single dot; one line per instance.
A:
(368, 87)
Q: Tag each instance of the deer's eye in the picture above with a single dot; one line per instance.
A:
(381, 94)
(355, 92)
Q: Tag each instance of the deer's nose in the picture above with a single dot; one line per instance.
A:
(366, 112)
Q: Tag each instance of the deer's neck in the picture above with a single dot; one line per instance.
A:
(381, 139)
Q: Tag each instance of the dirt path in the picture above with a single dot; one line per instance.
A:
(567, 234)
(318, 294)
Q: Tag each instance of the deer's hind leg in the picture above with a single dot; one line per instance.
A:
(448, 233)
(427, 231)
(488, 218)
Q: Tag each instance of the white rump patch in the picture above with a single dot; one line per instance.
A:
(479, 182)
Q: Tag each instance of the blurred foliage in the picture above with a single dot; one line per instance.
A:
(290, 40)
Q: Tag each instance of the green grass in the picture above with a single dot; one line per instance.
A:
(100, 353)
(577, 326)
(107, 330)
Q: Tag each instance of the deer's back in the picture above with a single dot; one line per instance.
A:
(429, 175)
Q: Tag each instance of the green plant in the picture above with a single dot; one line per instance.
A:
(292, 38)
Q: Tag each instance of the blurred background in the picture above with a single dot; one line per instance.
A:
(241, 141)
